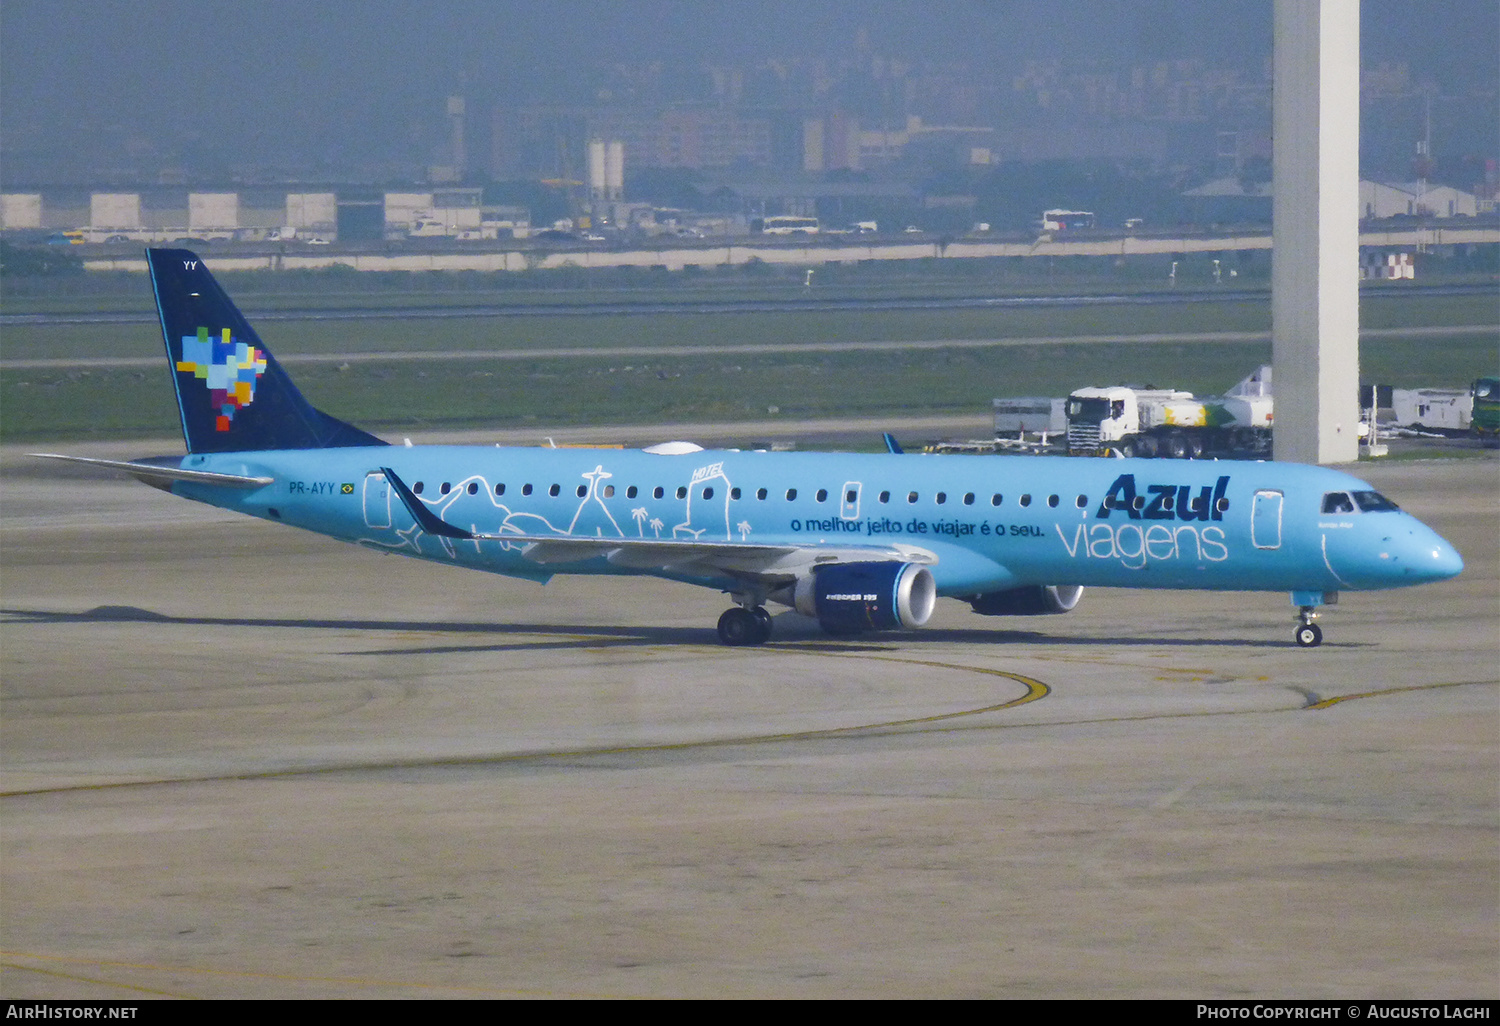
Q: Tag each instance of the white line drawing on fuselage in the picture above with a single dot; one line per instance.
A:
(703, 487)
(595, 478)
(598, 521)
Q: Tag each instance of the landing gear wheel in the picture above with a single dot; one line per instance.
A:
(764, 619)
(742, 627)
(1309, 635)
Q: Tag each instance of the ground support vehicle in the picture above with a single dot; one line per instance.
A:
(1170, 423)
(1484, 419)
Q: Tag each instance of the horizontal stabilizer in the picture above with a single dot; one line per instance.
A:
(161, 476)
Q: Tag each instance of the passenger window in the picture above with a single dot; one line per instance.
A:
(554, 491)
(1052, 501)
(526, 489)
(416, 489)
(658, 493)
(911, 496)
(446, 488)
(609, 491)
(1222, 505)
(631, 492)
(708, 493)
(500, 488)
(941, 497)
(473, 488)
(968, 498)
(681, 492)
(583, 490)
(1026, 500)
(885, 496)
(1081, 501)
(1138, 503)
(996, 499)
(851, 496)
(760, 493)
(822, 494)
(734, 493)
(791, 494)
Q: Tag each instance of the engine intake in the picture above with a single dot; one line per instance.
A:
(1032, 600)
(848, 598)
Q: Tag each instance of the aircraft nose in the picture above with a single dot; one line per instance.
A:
(1419, 554)
(1445, 562)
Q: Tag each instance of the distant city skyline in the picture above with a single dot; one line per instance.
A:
(221, 88)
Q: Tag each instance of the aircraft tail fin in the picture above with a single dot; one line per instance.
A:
(231, 392)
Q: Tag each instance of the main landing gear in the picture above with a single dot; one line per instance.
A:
(742, 626)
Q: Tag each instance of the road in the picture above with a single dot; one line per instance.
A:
(805, 305)
(755, 348)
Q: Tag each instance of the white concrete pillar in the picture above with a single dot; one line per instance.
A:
(1315, 228)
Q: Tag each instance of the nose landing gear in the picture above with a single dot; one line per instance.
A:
(1308, 634)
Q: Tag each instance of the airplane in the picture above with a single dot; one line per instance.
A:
(859, 542)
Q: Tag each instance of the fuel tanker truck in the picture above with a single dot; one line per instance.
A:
(1172, 424)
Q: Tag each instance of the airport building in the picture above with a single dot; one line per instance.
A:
(170, 213)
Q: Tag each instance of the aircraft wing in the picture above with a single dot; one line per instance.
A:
(769, 563)
(766, 563)
(161, 476)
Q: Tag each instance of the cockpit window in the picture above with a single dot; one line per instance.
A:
(1374, 502)
(1338, 502)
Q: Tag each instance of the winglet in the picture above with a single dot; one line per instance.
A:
(891, 445)
(425, 518)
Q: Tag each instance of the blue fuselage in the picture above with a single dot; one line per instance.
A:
(993, 522)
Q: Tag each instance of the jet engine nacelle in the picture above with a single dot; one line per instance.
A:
(1032, 600)
(847, 598)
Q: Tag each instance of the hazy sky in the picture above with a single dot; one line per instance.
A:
(310, 74)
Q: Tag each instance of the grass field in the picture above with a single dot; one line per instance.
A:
(394, 396)
(395, 334)
(82, 401)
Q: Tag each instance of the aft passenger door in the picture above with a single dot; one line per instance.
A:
(377, 500)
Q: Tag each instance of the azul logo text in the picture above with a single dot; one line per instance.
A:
(1163, 501)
